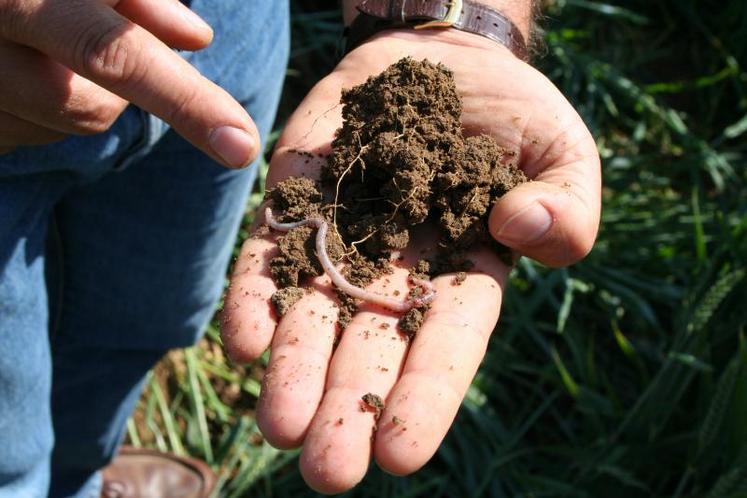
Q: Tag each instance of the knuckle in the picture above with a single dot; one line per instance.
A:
(107, 52)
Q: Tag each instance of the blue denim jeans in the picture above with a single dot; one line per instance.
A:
(113, 249)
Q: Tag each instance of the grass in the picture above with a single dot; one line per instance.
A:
(624, 375)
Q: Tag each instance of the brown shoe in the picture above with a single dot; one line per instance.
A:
(143, 473)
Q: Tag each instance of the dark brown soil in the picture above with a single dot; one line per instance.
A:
(399, 160)
(373, 402)
(459, 278)
(411, 321)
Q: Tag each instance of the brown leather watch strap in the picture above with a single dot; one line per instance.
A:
(465, 15)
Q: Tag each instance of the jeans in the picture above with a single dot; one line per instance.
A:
(113, 249)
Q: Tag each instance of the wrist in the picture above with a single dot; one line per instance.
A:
(520, 12)
(503, 22)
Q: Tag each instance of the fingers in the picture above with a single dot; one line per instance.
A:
(105, 47)
(293, 384)
(41, 91)
(248, 320)
(337, 448)
(169, 20)
(15, 131)
(554, 219)
(441, 363)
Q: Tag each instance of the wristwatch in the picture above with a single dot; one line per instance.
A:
(465, 15)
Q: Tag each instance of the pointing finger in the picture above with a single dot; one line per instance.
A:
(100, 44)
(171, 21)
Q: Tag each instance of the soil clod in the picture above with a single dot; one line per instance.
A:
(373, 402)
(400, 159)
(284, 299)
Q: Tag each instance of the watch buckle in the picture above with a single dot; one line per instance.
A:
(449, 19)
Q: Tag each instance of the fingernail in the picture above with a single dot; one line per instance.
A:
(234, 146)
(192, 18)
(527, 226)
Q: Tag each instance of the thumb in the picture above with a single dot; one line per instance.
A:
(553, 219)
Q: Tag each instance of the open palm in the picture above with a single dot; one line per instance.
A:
(312, 390)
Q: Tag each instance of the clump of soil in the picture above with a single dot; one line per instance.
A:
(400, 159)
(411, 321)
(285, 298)
(373, 402)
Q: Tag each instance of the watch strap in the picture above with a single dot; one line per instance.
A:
(465, 15)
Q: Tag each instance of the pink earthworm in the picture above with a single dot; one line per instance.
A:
(429, 291)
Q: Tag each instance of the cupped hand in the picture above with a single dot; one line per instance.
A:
(312, 390)
(71, 67)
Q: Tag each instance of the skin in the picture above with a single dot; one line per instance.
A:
(312, 392)
(70, 67)
(393, 304)
(89, 58)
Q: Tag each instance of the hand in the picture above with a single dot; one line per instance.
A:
(312, 391)
(71, 67)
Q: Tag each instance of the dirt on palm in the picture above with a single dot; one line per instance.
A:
(399, 160)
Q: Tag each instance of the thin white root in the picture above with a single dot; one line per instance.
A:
(401, 306)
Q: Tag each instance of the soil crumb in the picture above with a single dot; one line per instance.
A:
(459, 278)
(400, 159)
(374, 402)
(411, 321)
(284, 299)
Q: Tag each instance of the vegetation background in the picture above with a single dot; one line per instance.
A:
(622, 376)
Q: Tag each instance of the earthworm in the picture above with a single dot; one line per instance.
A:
(429, 291)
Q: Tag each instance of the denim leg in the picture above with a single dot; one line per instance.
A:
(145, 230)
(143, 251)
(107, 384)
(25, 367)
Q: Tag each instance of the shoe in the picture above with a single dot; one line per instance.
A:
(144, 473)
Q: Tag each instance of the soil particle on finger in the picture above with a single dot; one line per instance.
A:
(459, 278)
(284, 299)
(400, 159)
(373, 402)
(411, 321)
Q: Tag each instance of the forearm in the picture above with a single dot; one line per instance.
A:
(520, 12)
